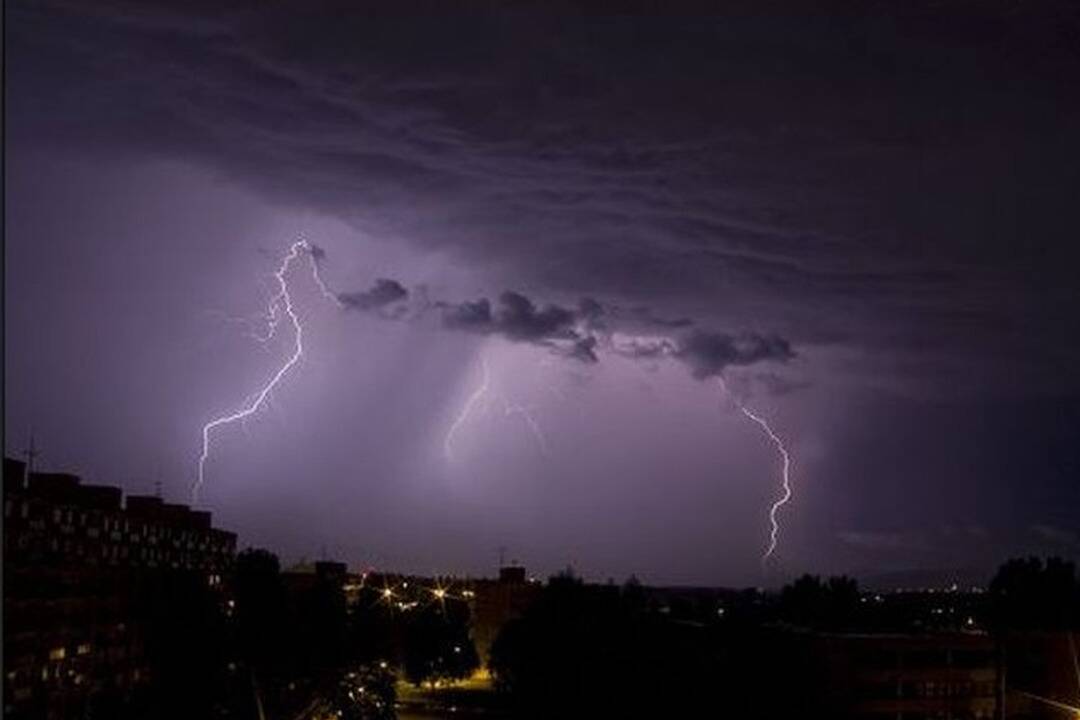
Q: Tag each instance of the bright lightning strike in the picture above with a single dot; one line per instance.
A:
(785, 496)
(466, 410)
(280, 304)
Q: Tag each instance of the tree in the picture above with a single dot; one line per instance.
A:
(1027, 594)
(585, 649)
(186, 642)
(321, 625)
(831, 605)
(437, 644)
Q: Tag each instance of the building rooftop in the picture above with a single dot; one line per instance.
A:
(67, 489)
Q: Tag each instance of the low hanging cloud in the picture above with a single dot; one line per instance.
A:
(709, 353)
(520, 319)
(384, 292)
(579, 333)
(584, 350)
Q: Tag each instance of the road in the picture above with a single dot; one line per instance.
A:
(474, 698)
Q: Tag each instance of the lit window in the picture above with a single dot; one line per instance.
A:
(57, 654)
(83, 649)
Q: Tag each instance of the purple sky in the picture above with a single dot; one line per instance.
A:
(862, 216)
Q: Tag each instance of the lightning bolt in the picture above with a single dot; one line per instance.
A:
(280, 307)
(466, 410)
(785, 496)
(510, 408)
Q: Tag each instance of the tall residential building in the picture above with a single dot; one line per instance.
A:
(884, 676)
(75, 559)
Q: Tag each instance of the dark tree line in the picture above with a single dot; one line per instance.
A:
(583, 648)
(578, 648)
(832, 604)
(610, 651)
(1029, 594)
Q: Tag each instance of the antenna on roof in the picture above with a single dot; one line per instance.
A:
(31, 453)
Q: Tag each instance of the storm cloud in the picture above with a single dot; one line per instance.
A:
(383, 293)
(870, 203)
(816, 171)
(709, 353)
(518, 318)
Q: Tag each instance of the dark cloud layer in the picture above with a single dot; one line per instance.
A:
(898, 178)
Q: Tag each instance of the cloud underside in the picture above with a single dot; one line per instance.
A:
(839, 178)
(579, 333)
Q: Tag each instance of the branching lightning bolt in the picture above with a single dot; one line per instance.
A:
(466, 410)
(280, 304)
(785, 496)
(510, 408)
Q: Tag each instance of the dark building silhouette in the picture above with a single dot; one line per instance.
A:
(74, 555)
(304, 577)
(496, 602)
(952, 676)
(1040, 675)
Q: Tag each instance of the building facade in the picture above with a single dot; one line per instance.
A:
(493, 603)
(881, 676)
(75, 557)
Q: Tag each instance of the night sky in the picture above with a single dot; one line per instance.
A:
(862, 216)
